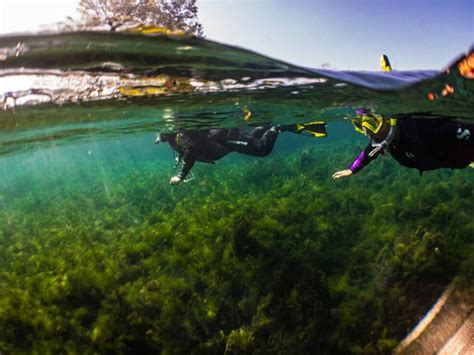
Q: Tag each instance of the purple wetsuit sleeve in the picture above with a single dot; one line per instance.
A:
(358, 163)
(363, 159)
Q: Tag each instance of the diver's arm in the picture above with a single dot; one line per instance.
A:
(188, 159)
(364, 158)
(358, 164)
(188, 163)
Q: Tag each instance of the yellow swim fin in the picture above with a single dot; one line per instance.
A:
(315, 129)
(385, 63)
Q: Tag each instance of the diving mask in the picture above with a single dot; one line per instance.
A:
(368, 123)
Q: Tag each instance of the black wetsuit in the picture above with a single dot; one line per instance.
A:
(427, 144)
(211, 145)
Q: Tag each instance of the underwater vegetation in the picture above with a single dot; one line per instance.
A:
(261, 256)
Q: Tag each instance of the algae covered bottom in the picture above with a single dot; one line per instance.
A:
(99, 254)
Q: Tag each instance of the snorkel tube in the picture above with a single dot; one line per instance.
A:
(386, 142)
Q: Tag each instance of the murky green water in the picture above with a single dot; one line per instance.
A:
(99, 254)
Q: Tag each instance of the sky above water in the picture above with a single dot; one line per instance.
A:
(341, 34)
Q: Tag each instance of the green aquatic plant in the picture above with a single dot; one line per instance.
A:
(265, 256)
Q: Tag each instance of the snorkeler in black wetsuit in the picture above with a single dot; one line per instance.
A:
(423, 144)
(419, 143)
(213, 144)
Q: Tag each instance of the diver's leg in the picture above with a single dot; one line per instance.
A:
(258, 132)
(250, 145)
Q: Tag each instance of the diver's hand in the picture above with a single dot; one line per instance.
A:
(175, 180)
(341, 174)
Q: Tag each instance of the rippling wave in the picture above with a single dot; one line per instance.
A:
(74, 86)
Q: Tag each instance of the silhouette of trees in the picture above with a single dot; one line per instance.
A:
(174, 15)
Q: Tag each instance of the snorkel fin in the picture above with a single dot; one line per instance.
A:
(316, 129)
(385, 63)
